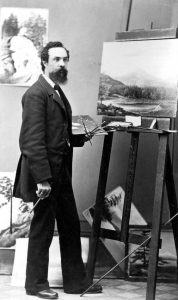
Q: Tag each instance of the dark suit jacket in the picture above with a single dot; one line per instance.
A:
(46, 123)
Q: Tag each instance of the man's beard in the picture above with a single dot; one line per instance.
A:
(59, 76)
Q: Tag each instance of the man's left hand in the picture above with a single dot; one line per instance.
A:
(87, 137)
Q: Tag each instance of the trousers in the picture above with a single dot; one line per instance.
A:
(59, 206)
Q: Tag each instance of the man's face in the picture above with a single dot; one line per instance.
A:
(56, 67)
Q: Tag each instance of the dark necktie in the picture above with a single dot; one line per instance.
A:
(61, 93)
(57, 88)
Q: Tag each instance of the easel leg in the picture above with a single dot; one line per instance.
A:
(171, 192)
(99, 205)
(156, 222)
(129, 187)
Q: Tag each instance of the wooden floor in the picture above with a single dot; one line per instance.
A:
(112, 289)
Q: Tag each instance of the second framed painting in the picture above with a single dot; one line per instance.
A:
(138, 261)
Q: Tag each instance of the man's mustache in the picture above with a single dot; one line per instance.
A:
(62, 70)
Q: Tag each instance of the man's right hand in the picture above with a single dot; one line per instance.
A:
(44, 189)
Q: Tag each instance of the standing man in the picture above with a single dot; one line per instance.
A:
(44, 170)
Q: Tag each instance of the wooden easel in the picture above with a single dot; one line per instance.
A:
(164, 175)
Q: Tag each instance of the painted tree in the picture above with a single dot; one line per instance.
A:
(36, 28)
(10, 26)
(104, 89)
(6, 190)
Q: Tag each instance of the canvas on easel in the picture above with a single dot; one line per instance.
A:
(139, 78)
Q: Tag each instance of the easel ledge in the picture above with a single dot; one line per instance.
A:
(154, 34)
(161, 123)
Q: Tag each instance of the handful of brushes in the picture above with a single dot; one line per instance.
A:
(98, 130)
(105, 128)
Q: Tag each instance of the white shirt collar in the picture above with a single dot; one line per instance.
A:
(49, 80)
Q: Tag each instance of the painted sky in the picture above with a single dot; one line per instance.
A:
(158, 58)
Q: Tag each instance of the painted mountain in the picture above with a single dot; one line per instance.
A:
(106, 79)
(143, 79)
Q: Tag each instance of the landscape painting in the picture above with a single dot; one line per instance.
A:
(167, 259)
(112, 218)
(139, 78)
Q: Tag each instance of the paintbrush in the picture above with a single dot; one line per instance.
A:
(86, 131)
(29, 213)
(97, 128)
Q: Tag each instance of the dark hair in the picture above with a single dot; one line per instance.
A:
(45, 53)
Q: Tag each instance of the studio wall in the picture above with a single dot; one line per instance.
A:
(83, 26)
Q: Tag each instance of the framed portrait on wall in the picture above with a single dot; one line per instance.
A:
(23, 34)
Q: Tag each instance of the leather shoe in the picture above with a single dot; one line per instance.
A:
(46, 294)
(94, 290)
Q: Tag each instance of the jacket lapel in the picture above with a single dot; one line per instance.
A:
(67, 105)
(51, 91)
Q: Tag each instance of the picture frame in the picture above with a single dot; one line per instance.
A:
(138, 262)
(15, 218)
(111, 219)
(24, 33)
